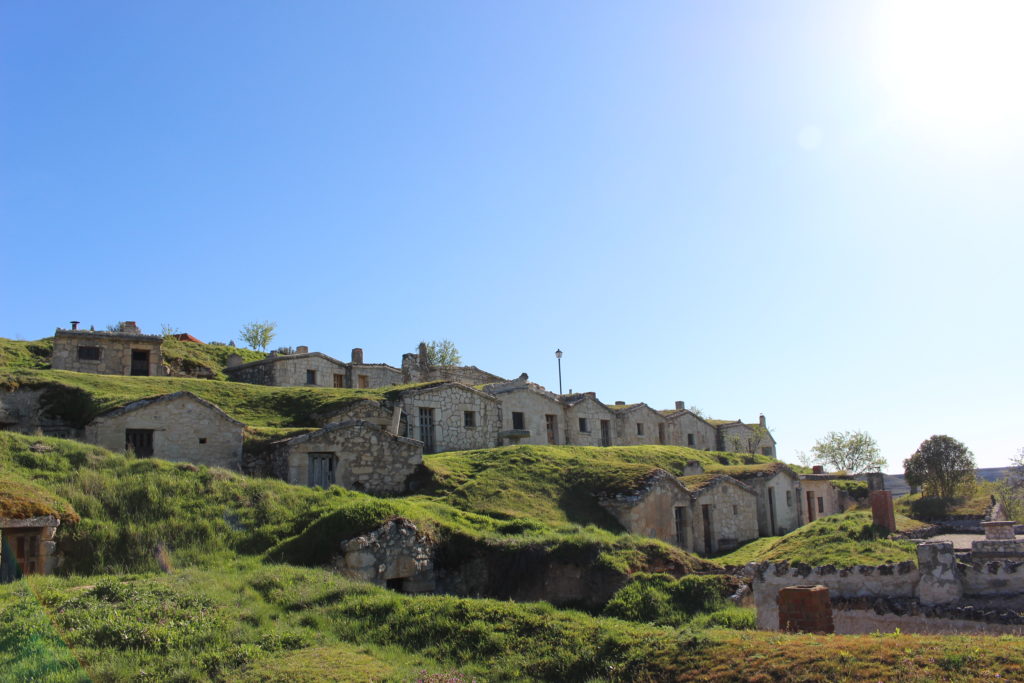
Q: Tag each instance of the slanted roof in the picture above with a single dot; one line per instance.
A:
(699, 483)
(336, 426)
(573, 400)
(632, 492)
(634, 407)
(758, 471)
(673, 414)
(153, 400)
(185, 336)
(98, 336)
(520, 385)
(430, 387)
(274, 358)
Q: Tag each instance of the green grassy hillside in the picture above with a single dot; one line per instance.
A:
(190, 358)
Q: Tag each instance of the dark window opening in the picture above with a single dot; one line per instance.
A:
(551, 424)
(639, 428)
(88, 353)
(584, 427)
(310, 376)
(202, 439)
(661, 433)
(821, 505)
(469, 418)
(767, 450)
(140, 363)
(690, 440)
(680, 514)
(397, 585)
(518, 421)
(140, 441)
(606, 433)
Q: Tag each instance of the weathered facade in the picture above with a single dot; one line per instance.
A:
(657, 508)
(530, 414)
(370, 375)
(355, 455)
(820, 498)
(395, 556)
(639, 425)
(180, 427)
(739, 437)
(32, 549)
(722, 514)
(291, 370)
(688, 429)
(449, 417)
(123, 352)
(22, 411)
(588, 421)
(417, 368)
(778, 496)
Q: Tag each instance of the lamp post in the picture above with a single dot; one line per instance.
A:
(558, 355)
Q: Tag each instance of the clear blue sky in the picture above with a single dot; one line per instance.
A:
(811, 210)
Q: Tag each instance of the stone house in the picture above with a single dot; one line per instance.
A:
(302, 369)
(447, 416)
(363, 375)
(530, 413)
(657, 508)
(355, 454)
(123, 352)
(180, 427)
(29, 546)
(638, 425)
(739, 437)
(416, 368)
(722, 514)
(820, 498)
(588, 422)
(778, 495)
(689, 429)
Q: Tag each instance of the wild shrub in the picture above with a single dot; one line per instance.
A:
(661, 599)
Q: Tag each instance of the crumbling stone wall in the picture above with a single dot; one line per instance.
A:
(185, 429)
(395, 555)
(365, 456)
(367, 410)
(115, 351)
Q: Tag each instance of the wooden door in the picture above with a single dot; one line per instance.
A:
(321, 469)
(140, 362)
(606, 433)
(551, 422)
(427, 429)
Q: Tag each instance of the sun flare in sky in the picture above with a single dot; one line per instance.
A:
(955, 66)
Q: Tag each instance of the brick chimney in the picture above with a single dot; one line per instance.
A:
(620, 403)
(74, 324)
(762, 421)
(422, 350)
(680, 405)
(301, 349)
(817, 469)
(357, 356)
(129, 327)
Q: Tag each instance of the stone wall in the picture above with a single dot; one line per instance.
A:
(395, 555)
(21, 411)
(650, 511)
(450, 403)
(831, 502)
(290, 371)
(740, 438)
(366, 409)
(786, 493)
(365, 456)
(733, 514)
(683, 424)
(653, 424)
(185, 429)
(594, 413)
(377, 375)
(115, 352)
(535, 406)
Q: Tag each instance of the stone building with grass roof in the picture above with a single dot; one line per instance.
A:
(588, 422)
(638, 424)
(686, 428)
(124, 351)
(778, 495)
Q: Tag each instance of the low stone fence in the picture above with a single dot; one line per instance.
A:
(937, 595)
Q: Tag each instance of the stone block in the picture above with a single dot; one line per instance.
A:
(805, 609)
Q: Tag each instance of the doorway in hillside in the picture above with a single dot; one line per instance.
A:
(810, 506)
(606, 433)
(771, 511)
(705, 511)
(551, 423)
(140, 363)
(427, 429)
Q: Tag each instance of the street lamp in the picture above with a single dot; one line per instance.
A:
(558, 355)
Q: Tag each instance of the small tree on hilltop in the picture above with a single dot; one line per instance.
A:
(258, 335)
(942, 466)
(443, 353)
(853, 452)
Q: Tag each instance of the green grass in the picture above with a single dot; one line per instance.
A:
(78, 397)
(915, 505)
(30, 647)
(843, 540)
(16, 354)
(190, 358)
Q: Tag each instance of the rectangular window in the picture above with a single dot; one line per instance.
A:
(517, 421)
(789, 499)
(639, 428)
(364, 381)
(310, 376)
(690, 440)
(735, 510)
(767, 450)
(339, 381)
(821, 505)
(88, 353)
(469, 418)
(584, 427)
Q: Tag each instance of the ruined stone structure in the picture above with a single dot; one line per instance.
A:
(703, 514)
(180, 427)
(22, 411)
(416, 368)
(31, 545)
(937, 595)
(449, 417)
(124, 352)
(354, 454)
(778, 496)
(739, 437)
(395, 556)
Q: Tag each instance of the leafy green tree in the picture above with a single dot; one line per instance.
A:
(443, 353)
(258, 335)
(853, 452)
(942, 466)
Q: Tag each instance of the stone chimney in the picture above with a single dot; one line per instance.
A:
(301, 349)
(680, 405)
(129, 327)
(74, 324)
(233, 360)
(591, 394)
(817, 469)
(422, 350)
(357, 356)
(762, 421)
(620, 403)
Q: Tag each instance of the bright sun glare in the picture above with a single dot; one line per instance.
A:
(956, 65)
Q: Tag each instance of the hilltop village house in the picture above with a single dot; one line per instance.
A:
(179, 427)
(305, 369)
(125, 351)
